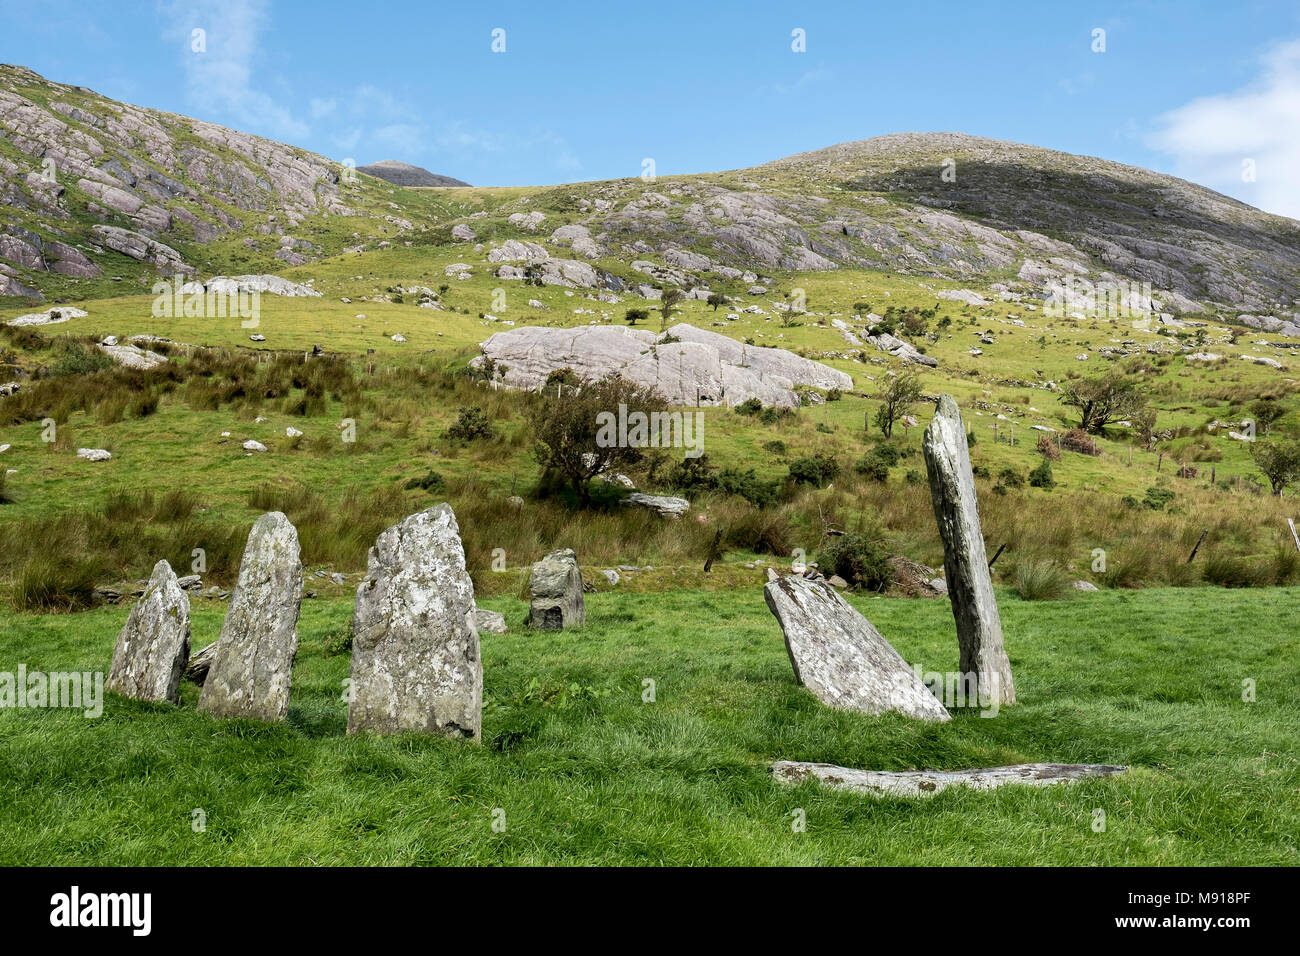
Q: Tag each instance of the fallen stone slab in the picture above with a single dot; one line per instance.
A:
(839, 656)
(154, 646)
(664, 505)
(924, 783)
(200, 663)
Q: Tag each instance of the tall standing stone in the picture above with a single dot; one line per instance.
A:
(253, 663)
(154, 646)
(965, 562)
(555, 591)
(415, 651)
(839, 656)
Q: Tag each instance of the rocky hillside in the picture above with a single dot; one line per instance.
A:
(97, 191)
(404, 174)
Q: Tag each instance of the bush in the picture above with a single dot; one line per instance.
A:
(1041, 477)
(1078, 440)
(1036, 580)
(818, 470)
(914, 477)
(1157, 498)
(834, 395)
(471, 424)
(1047, 448)
(860, 559)
(776, 447)
(1011, 478)
(75, 358)
(431, 482)
(750, 406)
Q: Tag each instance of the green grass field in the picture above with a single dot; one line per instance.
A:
(585, 772)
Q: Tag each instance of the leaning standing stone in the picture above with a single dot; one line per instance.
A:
(965, 563)
(253, 663)
(154, 646)
(840, 657)
(415, 650)
(555, 588)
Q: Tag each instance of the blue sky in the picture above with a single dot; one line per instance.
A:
(588, 90)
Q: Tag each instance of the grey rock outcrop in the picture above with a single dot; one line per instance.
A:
(687, 366)
(154, 646)
(839, 656)
(252, 666)
(555, 592)
(416, 664)
(965, 563)
(663, 505)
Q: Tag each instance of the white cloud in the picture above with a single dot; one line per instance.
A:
(1210, 138)
(321, 108)
(219, 79)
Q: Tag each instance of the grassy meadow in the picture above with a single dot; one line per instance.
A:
(586, 771)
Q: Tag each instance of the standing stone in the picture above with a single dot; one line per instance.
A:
(415, 650)
(966, 568)
(253, 663)
(555, 587)
(154, 646)
(840, 657)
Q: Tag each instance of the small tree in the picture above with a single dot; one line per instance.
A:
(633, 316)
(716, 299)
(898, 394)
(570, 432)
(1103, 400)
(670, 298)
(1279, 461)
(1266, 412)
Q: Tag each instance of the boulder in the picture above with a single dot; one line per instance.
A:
(94, 454)
(839, 656)
(490, 622)
(965, 563)
(415, 648)
(253, 663)
(664, 505)
(154, 646)
(555, 592)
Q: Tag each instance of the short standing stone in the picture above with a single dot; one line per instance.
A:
(840, 657)
(415, 647)
(154, 646)
(555, 588)
(253, 663)
(490, 622)
(965, 563)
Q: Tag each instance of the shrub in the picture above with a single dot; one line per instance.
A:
(834, 395)
(431, 482)
(1011, 478)
(775, 447)
(76, 358)
(817, 470)
(914, 477)
(1037, 580)
(1041, 477)
(1047, 448)
(1157, 498)
(471, 424)
(859, 559)
(1076, 439)
(750, 406)
(980, 471)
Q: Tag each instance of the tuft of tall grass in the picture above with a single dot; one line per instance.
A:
(1036, 579)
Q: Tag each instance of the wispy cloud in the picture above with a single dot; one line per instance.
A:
(219, 78)
(1213, 138)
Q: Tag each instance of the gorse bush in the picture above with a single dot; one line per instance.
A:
(816, 470)
(859, 558)
(1041, 477)
(470, 425)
